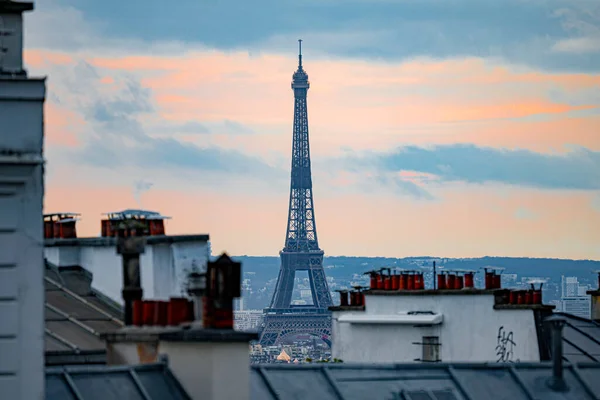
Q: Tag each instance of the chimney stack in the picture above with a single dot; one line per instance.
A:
(223, 284)
(197, 291)
(60, 225)
(11, 32)
(557, 381)
(150, 222)
(595, 300)
(130, 246)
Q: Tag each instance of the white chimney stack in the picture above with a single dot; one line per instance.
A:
(11, 36)
(210, 364)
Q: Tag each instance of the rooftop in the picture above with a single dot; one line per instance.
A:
(112, 241)
(143, 382)
(581, 339)
(421, 381)
(76, 316)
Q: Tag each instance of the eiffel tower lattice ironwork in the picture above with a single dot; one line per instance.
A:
(301, 251)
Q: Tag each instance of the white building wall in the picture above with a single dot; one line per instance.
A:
(471, 331)
(21, 231)
(164, 266)
(210, 370)
(106, 267)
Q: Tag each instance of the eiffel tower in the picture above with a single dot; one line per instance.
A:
(301, 251)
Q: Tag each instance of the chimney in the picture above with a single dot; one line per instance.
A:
(557, 381)
(207, 356)
(151, 222)
(11, 33)
(130, 246)
(60, 225)
(197, 291)
(212, 362)
(595, 301)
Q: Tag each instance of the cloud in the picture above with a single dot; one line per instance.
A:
(191, 127)
(236, 127)
(515, 30)
(115, 135)
(525, 213)
(583, 23)
(579, 169)
(403, 186)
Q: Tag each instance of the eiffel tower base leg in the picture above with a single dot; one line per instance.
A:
(279, 328)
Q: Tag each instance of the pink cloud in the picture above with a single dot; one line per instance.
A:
(42, 58)
(359, 104)
(62, 125)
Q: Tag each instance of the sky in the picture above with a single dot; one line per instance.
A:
(450, 128)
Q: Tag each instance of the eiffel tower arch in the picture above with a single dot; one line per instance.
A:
(301, 251)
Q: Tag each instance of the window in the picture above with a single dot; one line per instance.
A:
(431, 348)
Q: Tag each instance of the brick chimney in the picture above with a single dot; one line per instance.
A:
(60, 225)
(208, 357)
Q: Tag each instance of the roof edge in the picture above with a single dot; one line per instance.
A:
(112, 241)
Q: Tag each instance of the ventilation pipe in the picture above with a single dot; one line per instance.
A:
(557, 381)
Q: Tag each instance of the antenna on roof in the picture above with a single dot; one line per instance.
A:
(300, 53)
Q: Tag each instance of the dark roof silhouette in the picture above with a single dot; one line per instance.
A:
(421, 381)
(581, 339)
(94, 382)
(75, 317)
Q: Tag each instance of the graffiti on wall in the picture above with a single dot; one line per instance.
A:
(505, 345)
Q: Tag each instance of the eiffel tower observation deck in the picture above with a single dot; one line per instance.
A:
(301, 251)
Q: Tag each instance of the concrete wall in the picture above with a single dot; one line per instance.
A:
(164, 266)
(21, 234)
(213, 371)
(471, 331)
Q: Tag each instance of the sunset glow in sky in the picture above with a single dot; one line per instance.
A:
(457, 128)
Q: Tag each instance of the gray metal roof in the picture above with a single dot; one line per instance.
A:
(581, 339)
(76, 316)
(421, 381)
(141, 382)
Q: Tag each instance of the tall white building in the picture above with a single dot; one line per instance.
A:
(569, 286)
(574, 299)
(21, 198)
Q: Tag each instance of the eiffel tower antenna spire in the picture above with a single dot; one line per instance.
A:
(300, 53)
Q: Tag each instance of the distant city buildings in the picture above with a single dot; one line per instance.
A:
(578, 305)
(248, 320)
(574, 299)
(569, 286)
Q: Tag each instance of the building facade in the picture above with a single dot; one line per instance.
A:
(165, 263)
(21, 200)
(579, 306)
(435, 326)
